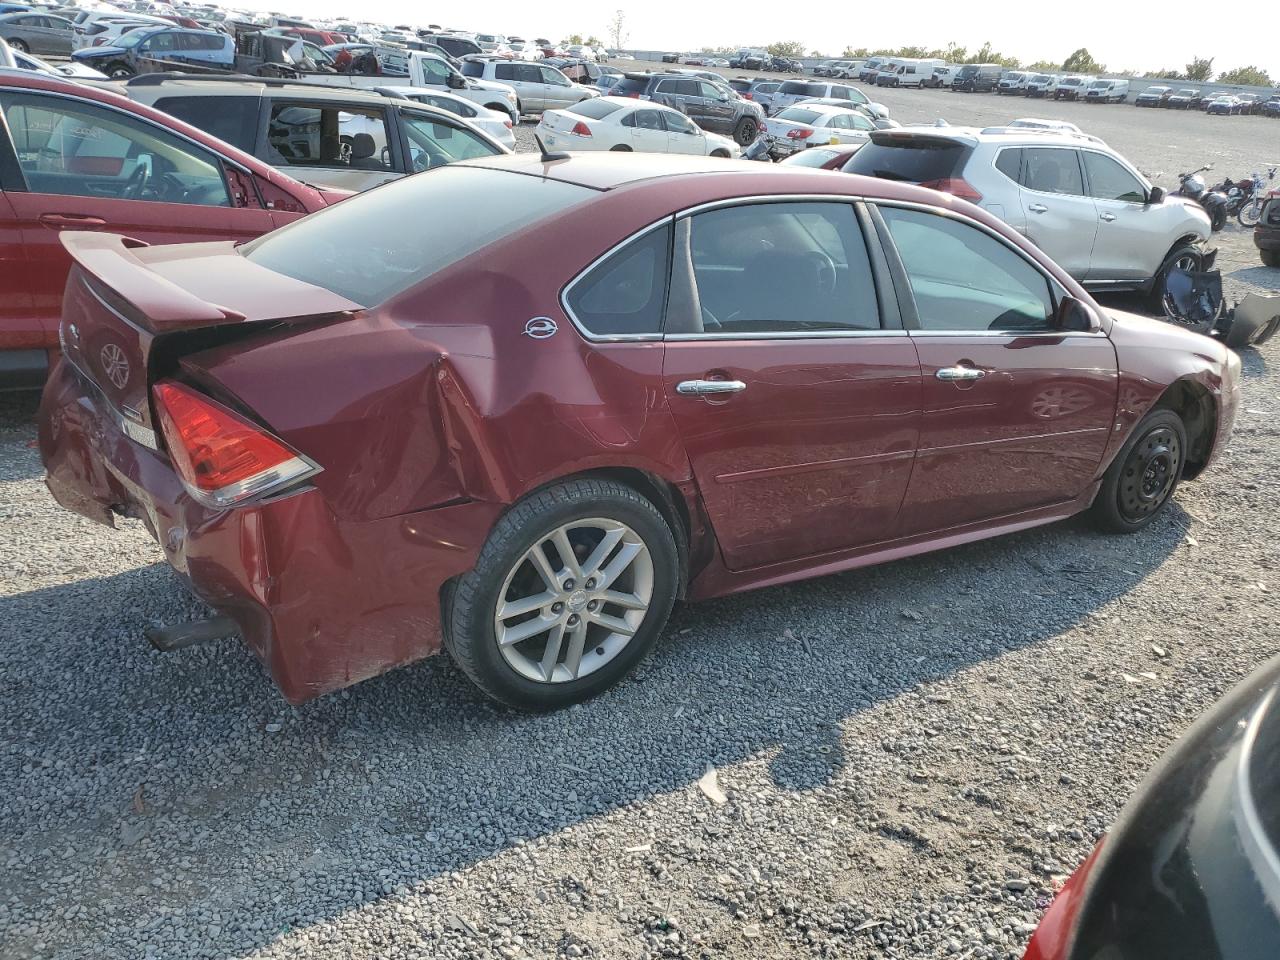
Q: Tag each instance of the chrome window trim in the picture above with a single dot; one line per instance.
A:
(787, 335)
(578, 278)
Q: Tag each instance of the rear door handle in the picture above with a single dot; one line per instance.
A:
(953, 374)
(1038, 208)
(72, 220)
(707, 388)
(1108, 217)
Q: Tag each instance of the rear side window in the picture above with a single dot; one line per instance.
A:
(1050, 170)
(799, 88)
(627, 293)
(594, 109)
(233, 119)
(504, 71)
(310, 135)
(474, 68)
(1009, 162)
(913, 159)
(385, 249)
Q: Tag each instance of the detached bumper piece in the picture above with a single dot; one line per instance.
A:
(180, 635)
(1198, 298)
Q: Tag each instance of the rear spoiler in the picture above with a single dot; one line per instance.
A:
(139, 275)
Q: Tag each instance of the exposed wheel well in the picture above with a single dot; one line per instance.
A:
(1195, 405)
(669, 502)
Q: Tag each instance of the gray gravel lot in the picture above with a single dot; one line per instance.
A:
(911, 756)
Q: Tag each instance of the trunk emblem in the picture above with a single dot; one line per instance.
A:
(115, 365)
(540, 328)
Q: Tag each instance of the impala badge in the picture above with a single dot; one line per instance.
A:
(540, 328)
(115, 365)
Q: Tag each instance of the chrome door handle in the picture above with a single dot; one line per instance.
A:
(1038, 208)
(706, 388)
(951, 374)
(1108, 217)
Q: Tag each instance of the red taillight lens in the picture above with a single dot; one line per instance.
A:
(747, 96)
(800, 133)
(221, 457)
(507, 124)
(956, 187)
(580, 129)
(633, 94)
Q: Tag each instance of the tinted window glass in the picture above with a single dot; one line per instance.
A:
(503, 71)
(1108, 180)
(384, 248)
(316, 136)
(627, 85)
(688, 88)
(813, 157)
(595, 109)
(80, 150)
(233, 119)
(626, 293)
(801, 89)
(433, 144)
(1009, 162)
(965, 280)
(782, 267)
(742, 86)
(474, 68)
(1051, 170)
(915, 159)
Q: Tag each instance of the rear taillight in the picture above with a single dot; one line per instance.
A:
(799, 133)
(956, 187)
(580, 129)
(507, 124)
(747, 96)
(222, 458)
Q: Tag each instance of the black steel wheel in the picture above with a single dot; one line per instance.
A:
(1145, 473)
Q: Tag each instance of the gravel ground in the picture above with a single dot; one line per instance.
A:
(908, 758)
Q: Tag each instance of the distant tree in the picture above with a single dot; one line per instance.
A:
(855, 53)
(1042, 66)
(618, 29)
(1250, 76)
(1200, 68)
(786, 48)
(954, 53)
(1162, 75)
(987, 54)
(1082, 62)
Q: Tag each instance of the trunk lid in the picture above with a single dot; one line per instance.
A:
(124, 300)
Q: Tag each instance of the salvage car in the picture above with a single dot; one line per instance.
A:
(1076, 198)
(346, 138)
(612, 382)
(74, 157)
(712, 106)
(810, 124)
(33, 32)
(143, 51)
(1199, 842)
(1266, 233)
(623, 125)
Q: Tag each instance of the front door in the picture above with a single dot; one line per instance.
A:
(717, 107)
(683, 135)
(1059, 215)
(88, 167)
(1016, 414)
(1122, 249)
(797, 404)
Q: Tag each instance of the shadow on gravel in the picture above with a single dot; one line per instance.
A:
(178, 797)
(17, 414)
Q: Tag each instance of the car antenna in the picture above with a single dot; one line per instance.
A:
(547, 155)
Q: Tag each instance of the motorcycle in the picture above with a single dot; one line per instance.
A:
(1253, 194)
(1214, 202)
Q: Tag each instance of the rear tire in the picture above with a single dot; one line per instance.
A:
(1144, 475)
(620, 148)
(557, 650)
(721, 154)
(1270, 258)
(745, 133)
(20, 46)
(120, 71)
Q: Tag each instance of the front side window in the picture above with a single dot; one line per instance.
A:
(433, 143)
(552, 76)
(679, 123)
(1052, 170)
(625, 294)
(708, 90)
(307, 135)
(789, 268)
(81, 150)
(1109, 180)
(964, 280)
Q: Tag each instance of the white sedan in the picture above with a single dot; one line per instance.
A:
(810, 124)
(495, 124)
(624, 124)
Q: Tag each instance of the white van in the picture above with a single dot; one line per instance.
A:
(1013, 83)
(916, 73)
(1041, 85)
(1107, 91)
(887, 71)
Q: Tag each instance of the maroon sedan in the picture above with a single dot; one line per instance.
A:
(611, 381)
(74, 157)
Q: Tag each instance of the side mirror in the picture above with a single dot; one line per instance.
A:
(455, 82)
(1074, 317)
(1156, 195)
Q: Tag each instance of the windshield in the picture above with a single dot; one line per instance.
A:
(1040, 78)
(798, 115)
(372, 246)
(1099, 84)
(132, 39)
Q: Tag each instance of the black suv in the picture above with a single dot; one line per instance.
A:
(710, 105)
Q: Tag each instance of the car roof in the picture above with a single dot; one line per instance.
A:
(251, 87)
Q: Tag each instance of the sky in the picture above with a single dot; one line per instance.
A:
(1121, 36)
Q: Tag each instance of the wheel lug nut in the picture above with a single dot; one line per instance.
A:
(590, 584)
(573, 619)
(569, 584)
(593, 604)
(557, 607)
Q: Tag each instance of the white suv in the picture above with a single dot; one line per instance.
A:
(1071, 194)
(538, 86)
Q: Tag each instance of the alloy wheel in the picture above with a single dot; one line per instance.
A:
(574, 600)
(1150, 472)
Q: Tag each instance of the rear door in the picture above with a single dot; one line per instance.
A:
(793, 388)
(1058, 215)
(1016, 413)
(89, 167)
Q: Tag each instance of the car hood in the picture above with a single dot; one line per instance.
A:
(93, 53)
(1160, 335)
(492, 85)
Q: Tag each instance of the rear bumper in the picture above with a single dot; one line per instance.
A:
(1266, 238)
(323, 602)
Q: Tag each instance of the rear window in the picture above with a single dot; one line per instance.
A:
(914, 159)
(799, 115)
(630, 85)
(742, 86)
(472, 68)
(233, 119)
(799, 88)
(813, 157)
(594, 109)
(385, 248)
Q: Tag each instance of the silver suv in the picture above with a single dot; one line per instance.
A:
(538, 86)
(1071, 194)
